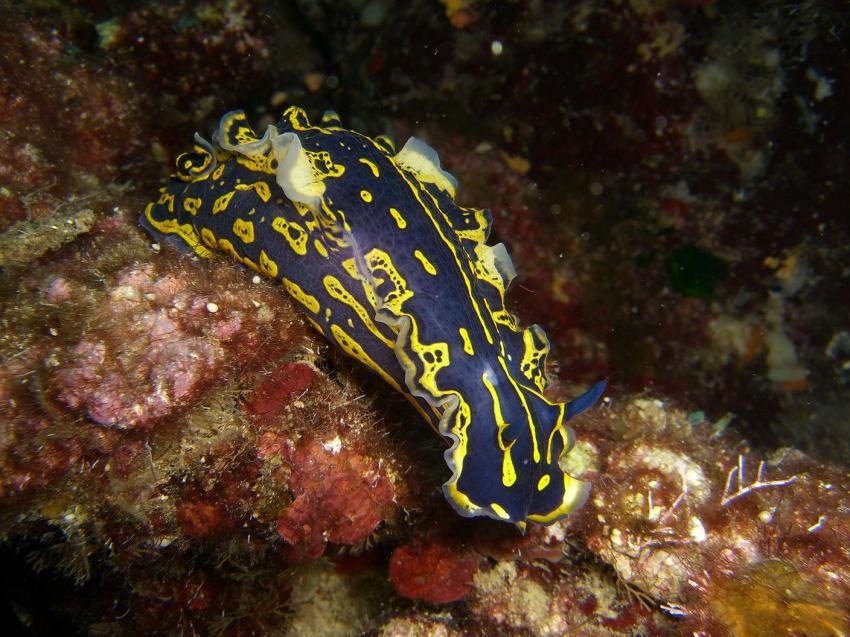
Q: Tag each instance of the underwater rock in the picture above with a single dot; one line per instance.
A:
(151, 359)
(680, 508)
(718, 133)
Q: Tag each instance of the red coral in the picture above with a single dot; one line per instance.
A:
(277, 390)
(437, 573)
(340, 496)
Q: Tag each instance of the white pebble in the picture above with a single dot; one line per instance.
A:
(212, 308)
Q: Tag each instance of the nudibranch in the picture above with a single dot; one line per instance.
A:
(387, 266)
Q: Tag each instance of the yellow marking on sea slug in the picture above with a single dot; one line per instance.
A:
(315, 325)
(350, 267)
(462, 421)
(383, 144)
(426, 264)
(226, 246)
(294, 234)
(267, 265)
(320, 248)
(467, 343)
(259, 163)
(543, 482)
(191, 205)
(218, 172)
(244, 134)
(167, 198)
(260, 187)
(366, 196)
(186, 162)
(558, 428)
(355, 350)
(345, 225)
(433, 357)
(221, 203)
(500, 511)
(307, 300)
(503, 317)
(297, 118)
(323, 165)
(477, 233)
(336, 290)
(574, 492)
(184, 231)
(399, 219)
(371, 165)
(530, 419)
(376, 259)
(244, 230)
(532, 356)
(331, 120)
(508, 469)
(209, 238)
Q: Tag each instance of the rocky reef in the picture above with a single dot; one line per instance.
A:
(180, 453)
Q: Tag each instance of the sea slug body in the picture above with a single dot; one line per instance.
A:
(385, 264)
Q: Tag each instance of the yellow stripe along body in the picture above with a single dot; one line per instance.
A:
(388, 267)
